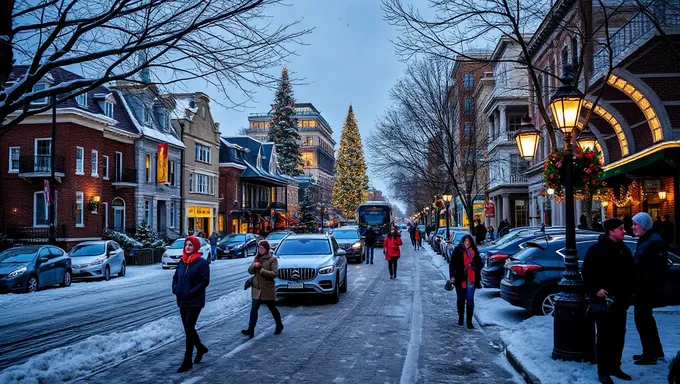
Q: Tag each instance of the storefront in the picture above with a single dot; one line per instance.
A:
(200, 219)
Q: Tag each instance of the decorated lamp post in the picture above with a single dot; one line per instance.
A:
(447, 201)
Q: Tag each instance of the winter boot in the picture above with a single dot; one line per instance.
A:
(250, 332)
(279, 328)
(461, 311)
(470, 311)
(186, 364)
(201, 350)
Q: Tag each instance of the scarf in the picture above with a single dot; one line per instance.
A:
(188, 259)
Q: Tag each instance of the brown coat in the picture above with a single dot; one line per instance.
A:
(263, 283)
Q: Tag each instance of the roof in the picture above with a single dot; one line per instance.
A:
(152, 131)
(256, 148)
(183, 104)
(225, 153)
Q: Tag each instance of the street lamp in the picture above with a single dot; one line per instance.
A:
(447, 200)
(587, 140)
(527, 138)
(427, 216)
(571, 341)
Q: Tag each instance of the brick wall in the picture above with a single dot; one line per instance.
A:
(230, 191)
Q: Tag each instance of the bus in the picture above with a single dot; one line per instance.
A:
(378, 215)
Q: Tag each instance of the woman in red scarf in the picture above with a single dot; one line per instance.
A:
(191, 278)
(465, 272)
(391, 250)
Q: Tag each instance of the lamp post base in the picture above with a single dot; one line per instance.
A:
(573, 330)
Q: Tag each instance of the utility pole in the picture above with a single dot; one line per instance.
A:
(53, 150)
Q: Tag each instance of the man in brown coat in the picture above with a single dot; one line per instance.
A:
(265, 268)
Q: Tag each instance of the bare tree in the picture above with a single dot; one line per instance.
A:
(228, 43)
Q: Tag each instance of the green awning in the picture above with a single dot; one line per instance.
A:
(635, 164)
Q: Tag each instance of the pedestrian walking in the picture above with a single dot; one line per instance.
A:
(391, 250)
(214, 238)
(650, 267)
(419, 239)
(370, 244)
(189, 282)
(465, 273)
(480, 232)
(412, 232)
(265, 268)
(583, 222)
(668, 230)
(608, 271)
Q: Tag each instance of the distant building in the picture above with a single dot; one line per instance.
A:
(375, 195)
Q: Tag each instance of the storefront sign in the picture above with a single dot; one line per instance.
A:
(162, 164)
(194, 211)
(652, 186)
(490, 209)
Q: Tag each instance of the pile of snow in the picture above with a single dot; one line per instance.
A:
(96, 352)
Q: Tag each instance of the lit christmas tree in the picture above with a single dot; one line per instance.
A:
(351, 184)
(308, 212)
(284, 130)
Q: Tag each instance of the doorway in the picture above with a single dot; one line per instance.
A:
(161, 217)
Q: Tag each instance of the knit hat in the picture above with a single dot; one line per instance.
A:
(611, 224)
(644, 220)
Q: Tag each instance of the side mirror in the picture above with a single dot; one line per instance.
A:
(112, 253)
(43, 259)
(341, 252)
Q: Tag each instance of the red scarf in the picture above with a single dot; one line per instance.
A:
(188, 259)
(468, 256)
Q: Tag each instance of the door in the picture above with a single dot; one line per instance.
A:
(45, 269)
(161, 217)
(118, 219)
(58, 259)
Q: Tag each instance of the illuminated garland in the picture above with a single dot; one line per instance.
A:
(627, 195)
(587, 173)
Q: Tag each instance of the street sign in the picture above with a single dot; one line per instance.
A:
(490, 209)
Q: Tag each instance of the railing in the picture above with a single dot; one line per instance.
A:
(503, 136)
(40, 164)
(636, 28)
(33, 235)
(510, 180)
(127, 175)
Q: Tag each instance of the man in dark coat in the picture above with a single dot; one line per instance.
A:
(412, 232)
(480, 232)
(650, 267)
(608, 273)
(370, 236)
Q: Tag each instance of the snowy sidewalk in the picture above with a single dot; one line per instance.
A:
(530, 340)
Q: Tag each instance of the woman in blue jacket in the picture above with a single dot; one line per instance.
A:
(191, 278)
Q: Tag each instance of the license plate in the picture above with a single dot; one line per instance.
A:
(295, 285)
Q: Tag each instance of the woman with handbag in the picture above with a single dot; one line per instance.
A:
(265, 268)
(608, 273)
(391, 250)
(465, 271)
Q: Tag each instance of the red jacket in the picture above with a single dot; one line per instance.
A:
(391, 246)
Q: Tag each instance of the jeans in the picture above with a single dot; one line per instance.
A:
(369, 253)
(611, 335)
(213, 252)
(392, 265)
(466, 294)
(271, 304)
(189, 318)
(646, 327)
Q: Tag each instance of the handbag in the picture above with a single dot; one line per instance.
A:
(605, 307)
(449, 285)
(248, 283)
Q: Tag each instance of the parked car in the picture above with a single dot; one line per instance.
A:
(99, 259)
(445, 242)
(238, 245)
(173, 254)
(311, 264)
(275, 238)
(349, 239)
(531, 277)
(436, 239)
(31, 267)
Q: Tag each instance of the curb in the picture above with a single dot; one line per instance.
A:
(529, 378)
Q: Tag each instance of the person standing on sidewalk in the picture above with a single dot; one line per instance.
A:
(608, 273)
(465, 271)
(370, 236)
(419, 239)
(189, 282)
(650, 267)
(391, 250)
(265, 267)
(213, 245)
(480, 232)
(412, 233)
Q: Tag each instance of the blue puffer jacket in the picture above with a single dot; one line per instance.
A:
(651, 260)
(189, 283)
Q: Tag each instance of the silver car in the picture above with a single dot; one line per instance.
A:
(99, 259)
(174, 252)
(311, 264)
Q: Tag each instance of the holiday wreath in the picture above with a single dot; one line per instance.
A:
(587, 176)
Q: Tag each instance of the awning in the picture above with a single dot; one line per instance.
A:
(281, 217)
(293, 220)
(631, 164)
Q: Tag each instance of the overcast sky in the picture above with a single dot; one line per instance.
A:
(348, 59)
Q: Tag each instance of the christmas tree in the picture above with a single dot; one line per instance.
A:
(307, 212)
(284, 130)
(351, 184)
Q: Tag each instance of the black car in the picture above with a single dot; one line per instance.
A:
(531, 276)
(238, 245)
(349, 239)
(494, 258)
(28, 268)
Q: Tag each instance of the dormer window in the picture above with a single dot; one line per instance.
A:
(40, 87)
(82, 99)
(147, 116)
(108, 109)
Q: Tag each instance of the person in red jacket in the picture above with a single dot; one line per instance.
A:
(419, 242)
(391, 250)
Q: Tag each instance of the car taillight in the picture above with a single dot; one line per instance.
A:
(523, 269)
(497, 257)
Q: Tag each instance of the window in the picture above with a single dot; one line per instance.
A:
(202, 153)
(212, 186)
(13, 159)
(468, 130)
(80, 160)
(147, 116)
(40, 214)
(205, 184)
(307, 159)
(43, 151)
(105, 167)
(119, 167)
(203, 111)
(147, 166)
(469, 106)
(172, 215)
(80, 209)
(171, 166)
(191, 182)
(95, 163)
(312, 123)
(147, 212)
(108, 109)
(40, 87)
(82, 99)
(514, 123)
(517, 165)
(468, 81)
(565, 59)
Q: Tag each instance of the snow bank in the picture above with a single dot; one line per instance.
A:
(97, 352)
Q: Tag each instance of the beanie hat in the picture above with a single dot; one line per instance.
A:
(644, 220)
(611, 224)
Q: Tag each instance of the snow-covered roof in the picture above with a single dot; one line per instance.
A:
(150, 131)
(182, 104)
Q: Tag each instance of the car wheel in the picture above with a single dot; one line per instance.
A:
(343, 288)
(545, 303)
(122, 270)
(66, 280)
(32, 284)
(244, 253)
(336, 292)
(107, 273)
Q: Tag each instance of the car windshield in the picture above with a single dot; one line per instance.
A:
(87, 250)
(346, 234)
(18, 255)
(178, 244)
(233, 238)
(304, 247)
(277, 235)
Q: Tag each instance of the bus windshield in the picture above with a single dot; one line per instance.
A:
(378, 217)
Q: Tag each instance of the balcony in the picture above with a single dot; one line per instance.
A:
(517, 179)
(504, 138)
(124, 178)
(40, 166)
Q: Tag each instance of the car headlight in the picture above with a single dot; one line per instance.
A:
(165, 255)
(98, 261)
(238, 247)
(356, 245)
(18, 272)
(327, 270)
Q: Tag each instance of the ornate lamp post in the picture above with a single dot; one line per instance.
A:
(447, 200)
(427, 216)
(587, 140)
(571, 339)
